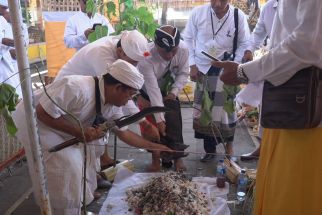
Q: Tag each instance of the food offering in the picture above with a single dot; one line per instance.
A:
(168, 194)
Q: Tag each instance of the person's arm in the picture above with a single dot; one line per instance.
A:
(259, 34)
(137, 141)
(71, 39)
(189, 36)
(181, 77)
(65, 126)
(299, 50)
(152, 87)
(243, 36)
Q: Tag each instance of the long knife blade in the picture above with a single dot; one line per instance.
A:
(119, 123)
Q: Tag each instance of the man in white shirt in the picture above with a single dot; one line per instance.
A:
(263, 28)
(211, 28)
(94, 58)
(7, 33)
(8, 72)
(80, 25)
(252, 93)
(76, 95)
(289, 172)
(165, 74)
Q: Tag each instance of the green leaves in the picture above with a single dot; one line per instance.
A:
(133, 18)
(229, 97)
(90, 6)
(206, 104)
(8, 101)
(111, 9)
(100, 31)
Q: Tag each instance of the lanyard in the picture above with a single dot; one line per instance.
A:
(212, 24)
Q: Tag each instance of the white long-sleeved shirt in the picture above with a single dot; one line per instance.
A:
(93, 60)
(198, 35)
(264, 25)
(8, 65)
(76, 25)
(296, 42)
(155, 67)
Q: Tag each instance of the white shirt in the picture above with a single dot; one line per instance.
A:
(264, 25)
(296, 43)
(92, 60)
(198, 35)
(8, 65)
(76, 94)
(76, 25)
(155, 67)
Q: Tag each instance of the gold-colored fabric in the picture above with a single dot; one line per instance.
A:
(289, 177)
(57, 53)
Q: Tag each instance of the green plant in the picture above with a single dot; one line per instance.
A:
(8, 102)
(92, 6)
(230, 93)
(131, 17)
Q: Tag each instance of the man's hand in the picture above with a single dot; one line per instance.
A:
(13, 53)
(150, 131)
(90, 134)
(8, 42)
(161, 127)
(248, 56)
(194, 73)
(170, 96)
(229, 75)
(88, 31)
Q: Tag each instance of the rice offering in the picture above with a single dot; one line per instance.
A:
(168, 194)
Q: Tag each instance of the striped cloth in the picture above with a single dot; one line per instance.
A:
(225, 122)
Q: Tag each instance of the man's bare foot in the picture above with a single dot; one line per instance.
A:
(179, 165)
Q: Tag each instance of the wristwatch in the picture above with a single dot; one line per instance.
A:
(241, 74)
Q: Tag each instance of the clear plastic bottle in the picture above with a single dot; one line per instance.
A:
(242, 185)
(221, 171)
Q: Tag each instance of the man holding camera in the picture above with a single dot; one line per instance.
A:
(80, 25)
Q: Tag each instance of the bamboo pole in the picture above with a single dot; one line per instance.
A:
(24, 74)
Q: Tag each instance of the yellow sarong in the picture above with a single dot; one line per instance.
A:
(289, 177)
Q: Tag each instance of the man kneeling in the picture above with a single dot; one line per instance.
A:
(76, 95)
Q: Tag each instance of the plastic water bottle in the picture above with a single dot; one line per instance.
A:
(221, 170)
(242, 185)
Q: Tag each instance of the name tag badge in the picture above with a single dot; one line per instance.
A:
(212, 51)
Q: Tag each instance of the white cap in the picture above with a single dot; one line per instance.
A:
(126, 73)
(135, 45)
(4, 3)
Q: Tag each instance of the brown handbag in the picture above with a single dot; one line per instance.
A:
(296, 104)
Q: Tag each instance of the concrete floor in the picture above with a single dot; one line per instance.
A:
(15, 190)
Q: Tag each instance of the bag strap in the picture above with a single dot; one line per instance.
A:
(97, 97)
(236, 33)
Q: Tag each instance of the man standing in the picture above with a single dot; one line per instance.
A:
(8, 72)
(76, 95)
(79, 26)
(94, 58)
(289, 171)
(7, 32)
(220, 30)
(252, 93)
(165, 74)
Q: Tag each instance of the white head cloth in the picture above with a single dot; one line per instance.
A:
(135, 45)
(4, 3)
(126, 73)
